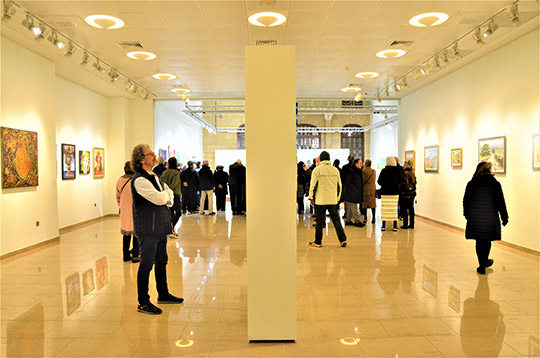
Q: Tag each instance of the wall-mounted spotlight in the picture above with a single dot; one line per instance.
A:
(8, 10)
(113, 75)
(130, 86)
(444, 57)
(85, 58)
(358, 97)
(492, 27)
(514, 14)
(54, 40)
(436, 63)
(477, 37)
(404, 83)
(98, 67)
(70, 49)
(397, 87)
(387, 91)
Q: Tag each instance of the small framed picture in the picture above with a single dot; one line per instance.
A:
(98, 162)
(84, 162)
(454, 299)
(536, 151)
(68, 161)
(493, 150)
(456, 157)
(410, 155)
(431, 158)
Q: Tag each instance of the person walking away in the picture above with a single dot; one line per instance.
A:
(369, 187)
(484, 208)
(222, 179)
(352, 192)
(171, 177)
(389, 180)
(407, 194)
(237, 186)
(151, 223)
(325, 189)
(207, 183)
(125, 202)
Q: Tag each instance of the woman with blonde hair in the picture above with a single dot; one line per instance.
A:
(389, 180)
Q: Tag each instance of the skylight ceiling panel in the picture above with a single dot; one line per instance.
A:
(169, 6)
(226, 19)
(46, 8)
(355, 19)
(132, 6)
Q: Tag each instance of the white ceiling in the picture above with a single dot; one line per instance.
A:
(203, 41)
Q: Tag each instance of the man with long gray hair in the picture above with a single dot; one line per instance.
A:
(152, 224)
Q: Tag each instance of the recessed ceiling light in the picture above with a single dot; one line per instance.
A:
(428, 19)
(104, 22)
(391, 53)
(351, 89)
(267, 19)
(164, 76)
(141, 55)
(367, 75)
(180, 90)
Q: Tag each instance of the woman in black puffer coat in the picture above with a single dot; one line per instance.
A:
(483, 203)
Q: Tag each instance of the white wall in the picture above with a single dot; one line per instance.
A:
(174, 128)
(384, 140)
(29, 103)
(497, 95)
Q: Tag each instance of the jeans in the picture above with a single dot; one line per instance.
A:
(320, 211)
(153, 253)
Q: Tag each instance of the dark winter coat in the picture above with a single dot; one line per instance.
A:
(222, 178)
(159, 169)
(206, 178)
(482, 204)
(352, 184)
(408, 184)
(302, 179)
(389, 180)
(237, 174)
(189, 175)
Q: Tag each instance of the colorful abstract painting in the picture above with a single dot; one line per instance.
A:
(73, 293)
(102, 274)
(98, 162)
(456, 157)
(19, 158)
(68, 161)
(431, 158)
(493, 150)
(88, 281)
(84, 162)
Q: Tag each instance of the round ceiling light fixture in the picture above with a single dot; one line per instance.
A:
(267, 19)
(104, 22)
(141, 55)
(428, 19)
(180, 90)
(391, 53)
(164, 76)
(351, 89)
(367, 75)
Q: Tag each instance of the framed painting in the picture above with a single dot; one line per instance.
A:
(88, 281)
(84, 162)
(431, 158)
(493, 150)
(68, 161)
(456, 157)
(454, 298)
(98, 162)
(163, 154)
(73, 293)
(536, 151)
(19, 158)
(410, 155)
(102, 276)
(430, 281)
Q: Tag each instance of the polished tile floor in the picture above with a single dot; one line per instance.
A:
(413, 293)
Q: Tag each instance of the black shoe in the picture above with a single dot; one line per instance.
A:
(481, 270)
(383, 228)
(373, 221)
(394, 229)
(411, 226)
(127, 258)
(347, 223)
(359, 224)
(212, 213)
(149, 308)
(404, 227)
(343, 244)
(489, 263)
(170, 299)
(135, 259)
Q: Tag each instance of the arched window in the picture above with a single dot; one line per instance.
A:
(353, 141)
(241, 138)
(309, 140)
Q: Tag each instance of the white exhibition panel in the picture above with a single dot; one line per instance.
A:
(271, 192)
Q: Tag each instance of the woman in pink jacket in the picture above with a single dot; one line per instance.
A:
(124, 200)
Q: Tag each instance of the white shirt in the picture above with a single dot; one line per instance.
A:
(149, 192)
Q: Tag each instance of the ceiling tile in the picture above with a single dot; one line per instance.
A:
(222, 5)
(253, 7)
(178, 6)
(132, 6)
(226, 19)
(354, 19)
(364, 6)
(45, 8)
(144, 20)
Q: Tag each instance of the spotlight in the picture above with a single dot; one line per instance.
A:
(425, 69)
(28, 22)
(436, 63)
(39, 31)
(404, 83)
(477, 37)
(70, 49)
(492, 27)
(98, 67)
(514, 14)
(457, 53)
(397, 87)
(85, 58)
(54, 40)
(358, 97)
(444, 57)
(8, 10)
(417, 73)
(113, 75)
(130, 86)
(387, 92)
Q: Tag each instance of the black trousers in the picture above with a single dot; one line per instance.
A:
(238, 202)
(406, 205)
(483, 247)
(221, 198)
(300, 202)
(153, 253)
(189, 199)
(125, 247)
(176, 210)
(364, 212)
(320, 212)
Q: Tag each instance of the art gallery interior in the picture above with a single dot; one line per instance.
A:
(220, 88)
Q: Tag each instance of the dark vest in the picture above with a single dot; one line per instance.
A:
(149, 219)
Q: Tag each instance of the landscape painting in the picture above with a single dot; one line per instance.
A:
(456, 157)
(493, 150)
(19, 158)
(431, 158)
(410, 155)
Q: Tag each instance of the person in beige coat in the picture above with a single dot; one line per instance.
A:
(325, 191)
(124, 201)
(369, 202)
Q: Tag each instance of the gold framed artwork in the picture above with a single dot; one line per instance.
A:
(430, 281)
(410, 155)
(493, 150)
(454, 298)
(19, 158)
(431, 158)
(84, 162)
(98, 162)
(456, 157)
(536, 151)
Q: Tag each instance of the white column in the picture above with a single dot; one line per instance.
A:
(271, 192)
